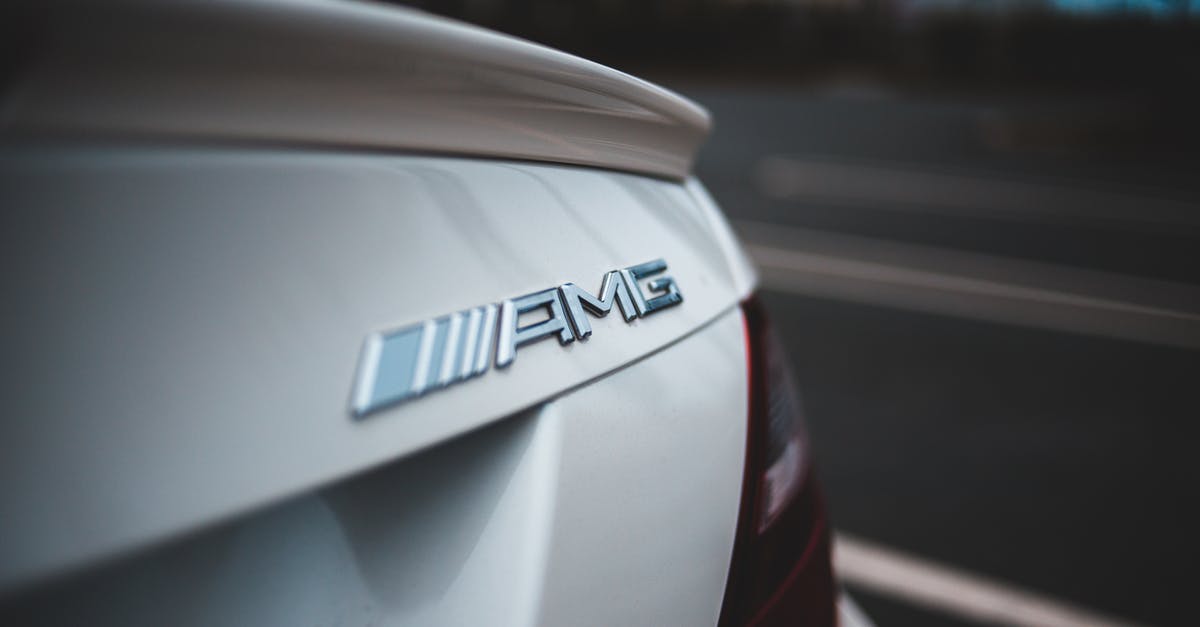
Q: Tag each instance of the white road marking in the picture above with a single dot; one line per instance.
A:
(973, 285)
(851, 615)
(933, 586)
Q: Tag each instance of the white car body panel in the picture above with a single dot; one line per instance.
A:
(209, 206)
(210, 306)
(336, 74)
(590, 509)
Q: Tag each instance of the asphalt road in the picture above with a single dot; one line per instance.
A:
(1059, 462)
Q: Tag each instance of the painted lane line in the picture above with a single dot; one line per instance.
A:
(974, 286)
(933, 586)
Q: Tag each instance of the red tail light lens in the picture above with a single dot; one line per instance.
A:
(780, 573)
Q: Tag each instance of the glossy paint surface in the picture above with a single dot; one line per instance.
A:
(334, 74)
(211, 208)
(184, 327)
(591, 509)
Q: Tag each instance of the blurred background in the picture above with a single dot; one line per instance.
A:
(977, 225)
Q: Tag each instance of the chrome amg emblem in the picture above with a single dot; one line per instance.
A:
(404, 363)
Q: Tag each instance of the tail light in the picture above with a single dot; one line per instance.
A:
(780, 573)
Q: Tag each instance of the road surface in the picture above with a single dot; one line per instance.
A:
(997, 343)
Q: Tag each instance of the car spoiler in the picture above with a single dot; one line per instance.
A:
(320, 73)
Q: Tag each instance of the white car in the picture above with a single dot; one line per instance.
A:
(329, 313)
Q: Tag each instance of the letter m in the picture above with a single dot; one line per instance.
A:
(612, 289)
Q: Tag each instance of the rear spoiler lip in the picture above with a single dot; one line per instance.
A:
(349, 75)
